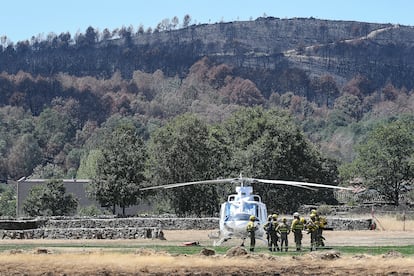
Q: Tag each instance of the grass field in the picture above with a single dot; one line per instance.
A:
(61, 248)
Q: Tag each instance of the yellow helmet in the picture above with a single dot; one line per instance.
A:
(252, 218)
(313, 211)
(284, 219)
(274, 216)
(302, 220)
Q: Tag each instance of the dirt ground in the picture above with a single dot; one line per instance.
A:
(147, 262)
(333, 238)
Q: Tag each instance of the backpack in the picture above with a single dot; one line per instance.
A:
(269, 227)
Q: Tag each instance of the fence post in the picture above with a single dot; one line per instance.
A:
(403, 220)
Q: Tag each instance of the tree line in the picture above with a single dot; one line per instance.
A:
(52, 127)
(54, 122)
(260, 143)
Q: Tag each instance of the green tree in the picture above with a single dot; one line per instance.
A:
(24, 156)
(267, 144)
(72, 160)
(174, 22)
(49, 199)
(89, 164)
(48, 171)
(185, 150)
(120, 170)
(53, 130)
(350, 106)
(386, 159)
(186, 21)
(8, 201)
(325, 89)
(3, 169)
(90, 36)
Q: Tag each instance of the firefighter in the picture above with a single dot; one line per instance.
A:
(283, 230)
(312, 227)
(251, 229)
(321, 223)
(296, 228)
(273, 234)
(267, 227)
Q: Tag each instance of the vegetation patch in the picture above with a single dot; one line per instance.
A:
(407, 250)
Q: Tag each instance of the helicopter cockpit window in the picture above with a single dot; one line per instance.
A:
(251, 209)
(239, 217)
(232, 212)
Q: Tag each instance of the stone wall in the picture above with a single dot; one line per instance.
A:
(127, 228)
(180, 223)
(134, 222)
(84, 233)
(344, 211)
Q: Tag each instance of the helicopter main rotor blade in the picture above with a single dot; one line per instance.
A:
(175, 185)
(301, 184)
(241, 180)
(290, 184)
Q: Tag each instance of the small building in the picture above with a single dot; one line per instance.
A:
(77, 187)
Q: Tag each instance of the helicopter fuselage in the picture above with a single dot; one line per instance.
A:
(235, 214)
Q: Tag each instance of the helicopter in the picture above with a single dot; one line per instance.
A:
(236, 212)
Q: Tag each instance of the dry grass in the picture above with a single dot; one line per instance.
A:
(391, 223)
(95, 262)
(126, 264)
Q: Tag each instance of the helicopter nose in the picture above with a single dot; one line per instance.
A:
(229, 226)
(236, 226)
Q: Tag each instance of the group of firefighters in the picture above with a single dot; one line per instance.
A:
(279, 230)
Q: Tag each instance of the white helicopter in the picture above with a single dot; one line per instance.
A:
(236, 211)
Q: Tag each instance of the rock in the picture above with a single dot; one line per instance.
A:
(16, 251)
(330, 255)
(327, 255)
(207, 252)
(360, 256)
(236, 251)
(393, 254)
(42, 251)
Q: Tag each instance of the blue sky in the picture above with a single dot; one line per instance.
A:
(22, 19)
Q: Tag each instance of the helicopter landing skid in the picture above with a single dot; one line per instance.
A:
(214, 235)
(219, 242)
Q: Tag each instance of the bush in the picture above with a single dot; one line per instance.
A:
(324, 209)
(7, 200)
(90, 211)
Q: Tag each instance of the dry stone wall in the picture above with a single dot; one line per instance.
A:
(134, 222)
(126, 228)
(84, 233)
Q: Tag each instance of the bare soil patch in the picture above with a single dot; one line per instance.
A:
(333, 238)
